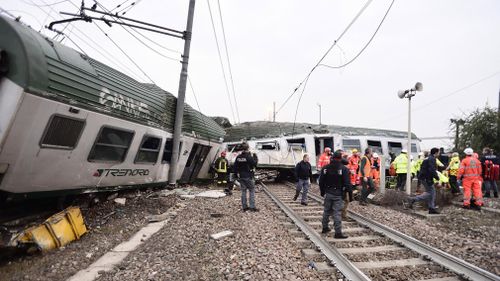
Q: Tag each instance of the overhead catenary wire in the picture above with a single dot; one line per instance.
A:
(138, 39)
(45, 4)
(366, 45)
(88, 38)
(221, 63)
(326, 53)
(123, 52)
(229, 63)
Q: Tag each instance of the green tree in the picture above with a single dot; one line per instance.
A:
(480, 129)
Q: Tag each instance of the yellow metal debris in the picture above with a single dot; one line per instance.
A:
(57, 231)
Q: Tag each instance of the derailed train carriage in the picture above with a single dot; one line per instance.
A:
(69, 123)
(280, 145)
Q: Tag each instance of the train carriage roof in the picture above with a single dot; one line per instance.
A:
(266, 129)
(49, 69)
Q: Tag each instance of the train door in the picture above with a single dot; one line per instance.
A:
(195, 161)
(296, 149)
(321, 142)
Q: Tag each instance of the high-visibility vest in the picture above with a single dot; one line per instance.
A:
(367, 169)
(400, 163)
(221, 165)
(470, 169)
(324, 160)
(454, 165)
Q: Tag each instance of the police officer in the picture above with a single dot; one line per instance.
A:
(244, 166)
(334, 181)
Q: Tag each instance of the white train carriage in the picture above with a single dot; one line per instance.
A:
(71, 124)
(280, 145)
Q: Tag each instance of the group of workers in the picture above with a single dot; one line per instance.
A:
(340, 173)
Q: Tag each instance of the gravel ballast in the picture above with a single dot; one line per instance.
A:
(259, 249)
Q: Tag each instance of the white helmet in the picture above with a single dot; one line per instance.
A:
(404, 150)
(375, 155)
(468, 151)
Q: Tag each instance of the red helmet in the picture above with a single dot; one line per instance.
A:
(223, 154)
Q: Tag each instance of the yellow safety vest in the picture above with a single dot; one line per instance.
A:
(400, 163)
(221, 165)
(454, 165)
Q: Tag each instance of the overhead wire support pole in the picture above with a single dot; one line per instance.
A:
(179, 111)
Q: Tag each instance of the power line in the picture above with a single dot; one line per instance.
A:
(229, 63)
(133, 4)
(142, 42)
(119, 5)
(45, 4)
(220, 60)
(326, 53)
(121, 50)
(88, 38)
(366, 45)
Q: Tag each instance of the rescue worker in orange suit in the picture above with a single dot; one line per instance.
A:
(366, 179)
(221, 165)
(469, 174)
(324, 158)
(354, 166)
(375, 169)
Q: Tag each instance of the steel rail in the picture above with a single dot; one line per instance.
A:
(347, 269)
(440, 257)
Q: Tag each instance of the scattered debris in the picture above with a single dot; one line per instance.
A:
(187, 196)
(160, 217)
(120, 201)
(57, 231)
(112, 196)
(222, 234)
(216, 215)
(211, 194)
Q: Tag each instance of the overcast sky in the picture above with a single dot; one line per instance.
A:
(446, 45)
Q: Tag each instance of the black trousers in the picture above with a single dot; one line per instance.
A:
(454, 184)
(401, 182)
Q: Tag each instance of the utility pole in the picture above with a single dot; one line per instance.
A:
(457, 123)
(179, 111)
(274, 111)
(319, 105)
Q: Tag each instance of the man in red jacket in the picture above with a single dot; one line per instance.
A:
(324, 159)
(470, 175)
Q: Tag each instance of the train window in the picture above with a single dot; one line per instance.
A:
(149, 150)
(350, 144)
(376, 146)
(62, 132)
(395, 147)
(167, 152)
(272, 145)
(111, 145)
(414, 148)
(237, 147)
(297, 144)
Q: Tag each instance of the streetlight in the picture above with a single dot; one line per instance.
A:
(409, 94)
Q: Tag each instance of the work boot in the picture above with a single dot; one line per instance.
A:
(467, 207)
(326, 230)
(296, 195)
(303, 203)
(476, 207)
(339, 236)
(254, 210)
(487, 195)
(433, 212)
(245, 209)
(495, 194)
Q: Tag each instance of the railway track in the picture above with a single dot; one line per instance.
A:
(372, 251)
